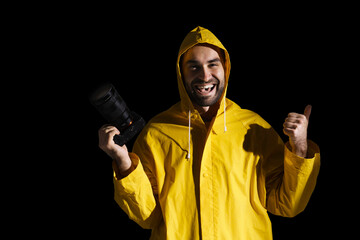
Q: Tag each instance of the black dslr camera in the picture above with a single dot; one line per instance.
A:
(113, 108)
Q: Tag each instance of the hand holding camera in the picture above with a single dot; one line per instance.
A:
(118, 153)
(124, 125)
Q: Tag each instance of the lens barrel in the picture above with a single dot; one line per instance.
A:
(111, 106)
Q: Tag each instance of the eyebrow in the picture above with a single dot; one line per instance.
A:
(192, 61)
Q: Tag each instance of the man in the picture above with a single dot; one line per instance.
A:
(207, 169)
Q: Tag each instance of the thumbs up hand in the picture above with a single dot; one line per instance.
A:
(295, 126)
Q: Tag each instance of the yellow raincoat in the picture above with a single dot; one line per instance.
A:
(217, 182)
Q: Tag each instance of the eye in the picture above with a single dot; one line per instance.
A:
(212, 65)
(193, 67)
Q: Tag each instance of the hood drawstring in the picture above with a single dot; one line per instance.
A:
(188, 155)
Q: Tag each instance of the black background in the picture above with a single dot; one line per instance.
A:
(277, 67)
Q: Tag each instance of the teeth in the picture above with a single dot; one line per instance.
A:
(206, 87)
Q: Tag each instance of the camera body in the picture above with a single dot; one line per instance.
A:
(113, 108)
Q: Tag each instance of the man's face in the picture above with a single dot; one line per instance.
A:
(203, 74)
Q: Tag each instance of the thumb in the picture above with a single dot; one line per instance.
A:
(307, 111)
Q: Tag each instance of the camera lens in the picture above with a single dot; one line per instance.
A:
(111, 106)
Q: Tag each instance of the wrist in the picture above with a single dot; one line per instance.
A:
(123, 164)
(301, 150)
(121, 170)
(300, 153)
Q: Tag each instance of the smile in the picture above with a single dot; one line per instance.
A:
(204, 89)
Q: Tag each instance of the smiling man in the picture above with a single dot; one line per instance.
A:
(206, 168)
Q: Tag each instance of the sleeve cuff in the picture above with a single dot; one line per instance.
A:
(300, 163)
(135, 162)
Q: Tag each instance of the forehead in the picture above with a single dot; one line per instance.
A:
(201, 53)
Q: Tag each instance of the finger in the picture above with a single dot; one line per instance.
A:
(108, 137)
(294, 115)
(307, 111)
(290, 125)
(292, 119)
(113, 131)
(109, 128)
(289, 132)
(104, 127)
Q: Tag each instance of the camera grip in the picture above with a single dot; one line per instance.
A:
(131, 131)
(120, 140)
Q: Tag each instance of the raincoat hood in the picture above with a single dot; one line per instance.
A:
(196, 36)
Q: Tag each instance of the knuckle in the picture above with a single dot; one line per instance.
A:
(302, 119)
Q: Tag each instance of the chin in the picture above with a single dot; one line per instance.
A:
(207, 102)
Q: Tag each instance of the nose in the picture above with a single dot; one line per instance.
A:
(205, 74)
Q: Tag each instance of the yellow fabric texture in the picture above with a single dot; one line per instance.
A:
(230, 181)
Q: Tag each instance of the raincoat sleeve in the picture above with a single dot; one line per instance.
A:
(289, 179)
(134, 194)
